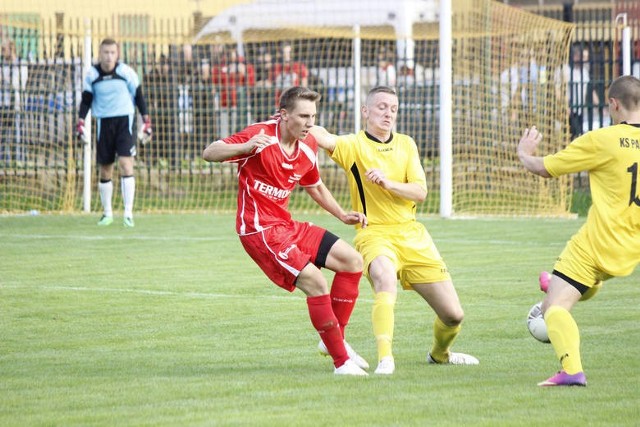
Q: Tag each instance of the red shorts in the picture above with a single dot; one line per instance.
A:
(282, 251)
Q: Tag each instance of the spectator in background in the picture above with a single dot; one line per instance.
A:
(518, 89)
(203, 101)
(386, 69)
(13, 82)
(264, 66)
(407, 78)
(162, 100)
(231, 79)
(263, 92)
(46, 103)
(287, 72)
(188, 77)
(581, 94)
(39, 106)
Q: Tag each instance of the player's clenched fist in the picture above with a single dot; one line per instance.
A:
(258, 142)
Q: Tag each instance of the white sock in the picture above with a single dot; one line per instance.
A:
(106, 192)
(128, 185)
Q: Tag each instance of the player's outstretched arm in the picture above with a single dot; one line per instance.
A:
(326, 140)
(323, 197)
(219, 151)
(526, 152)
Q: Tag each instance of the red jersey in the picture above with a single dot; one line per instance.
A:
(289, 74)
(227, 78)
(267, 177)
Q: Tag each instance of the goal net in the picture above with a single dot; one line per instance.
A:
(507, 75)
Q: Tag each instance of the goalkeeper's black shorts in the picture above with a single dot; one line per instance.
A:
(115, 136)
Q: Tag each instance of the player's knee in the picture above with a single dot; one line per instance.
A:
(312, 282)
(313, 288)
(453, 318)
(353, 263)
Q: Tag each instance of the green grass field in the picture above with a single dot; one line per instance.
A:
(172, 324)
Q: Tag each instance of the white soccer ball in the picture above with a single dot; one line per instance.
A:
(536, 325)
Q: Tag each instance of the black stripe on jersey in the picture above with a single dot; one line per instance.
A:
(102, 74)
(356, 175)
(631, 124)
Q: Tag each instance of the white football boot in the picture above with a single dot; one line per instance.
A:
(362, 364)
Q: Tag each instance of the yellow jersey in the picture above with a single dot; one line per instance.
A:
(397, 158)
(611, 155)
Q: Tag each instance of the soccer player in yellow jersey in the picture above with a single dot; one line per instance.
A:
(608, 244)
(386, 180)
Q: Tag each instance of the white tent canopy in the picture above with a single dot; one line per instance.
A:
(273, 14)
(400, 14)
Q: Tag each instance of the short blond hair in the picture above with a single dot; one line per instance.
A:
(380, 89)
(626, 90)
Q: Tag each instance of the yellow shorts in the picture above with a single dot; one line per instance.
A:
(409, 246)
(579, 265)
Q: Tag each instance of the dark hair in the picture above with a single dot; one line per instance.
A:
(626, 90)
(290, 96)
(108, 41)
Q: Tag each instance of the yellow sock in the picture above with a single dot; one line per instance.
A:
(443, 338)
(565, 338)
(382, 317)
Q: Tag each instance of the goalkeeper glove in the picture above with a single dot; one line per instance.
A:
(80, 132)
(144, 135)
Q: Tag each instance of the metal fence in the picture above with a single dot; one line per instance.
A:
(190, 105)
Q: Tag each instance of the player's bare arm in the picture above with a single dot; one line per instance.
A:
(405, 190)
(326, 140)
(220, 151)
(526, 152)
(323, 197)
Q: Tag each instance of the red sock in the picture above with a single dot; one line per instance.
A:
(325, 322)
(344, 293)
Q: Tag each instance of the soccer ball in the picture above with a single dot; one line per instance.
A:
(536, 325)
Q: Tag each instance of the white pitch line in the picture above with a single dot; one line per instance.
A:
(144, 292)
(501, 242)
(125, 237)
(217, 239)
(293, 296)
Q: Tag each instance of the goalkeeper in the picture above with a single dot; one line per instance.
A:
(112, 91)
(386, 180)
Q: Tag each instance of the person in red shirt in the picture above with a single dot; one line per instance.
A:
(273, 157)
(231, 78)
(286, 72)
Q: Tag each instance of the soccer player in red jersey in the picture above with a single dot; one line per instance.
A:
(273, 157)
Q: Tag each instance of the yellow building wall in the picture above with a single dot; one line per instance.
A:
(105, 9)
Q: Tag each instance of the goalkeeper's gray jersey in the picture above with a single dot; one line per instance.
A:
(113, 93)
